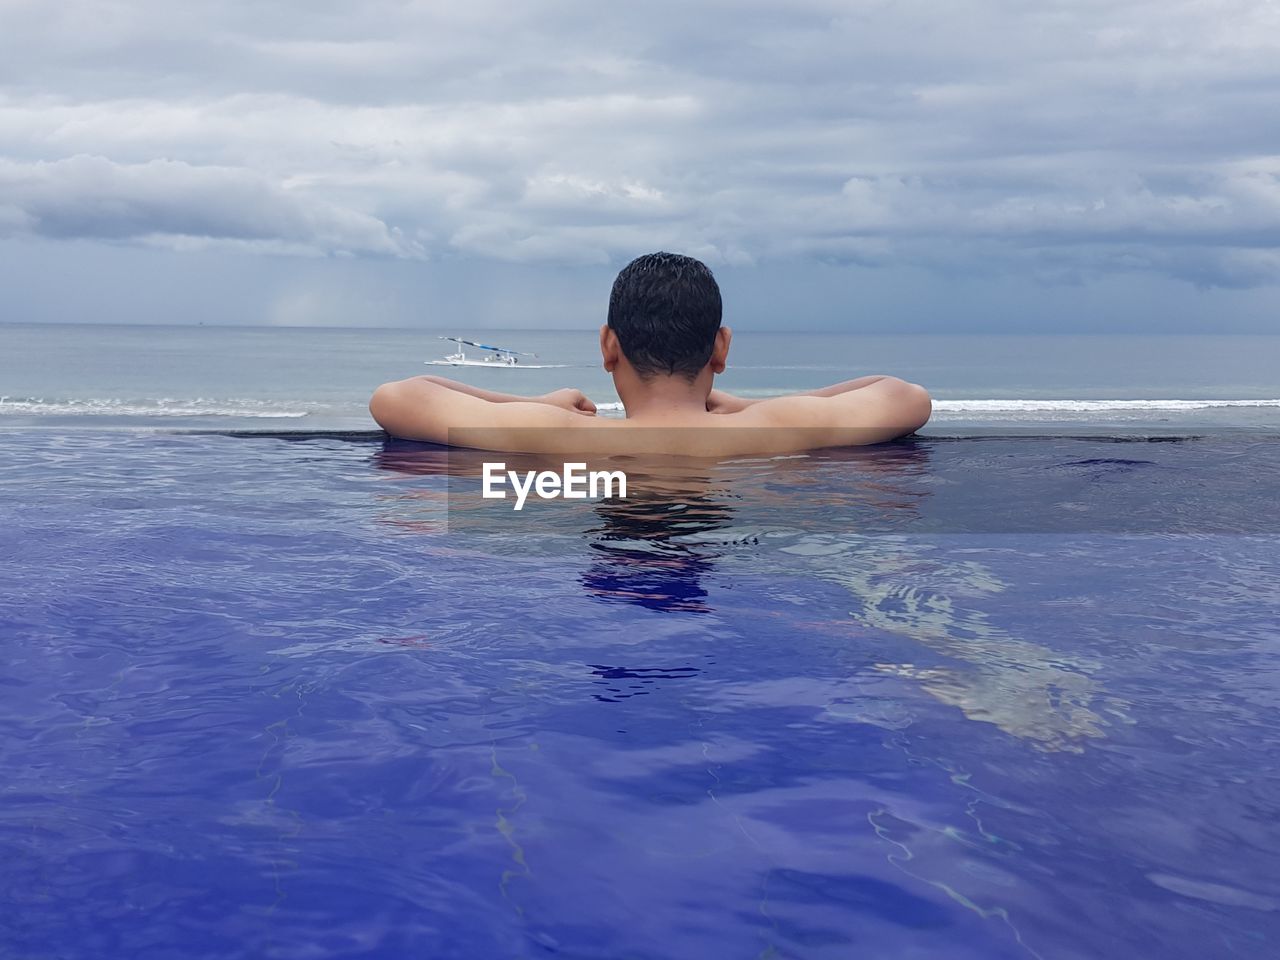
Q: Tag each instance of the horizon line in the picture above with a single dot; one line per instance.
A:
(749, 330)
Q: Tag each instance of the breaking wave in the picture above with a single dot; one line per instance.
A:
(152, 407)
(1090, 406)
(1018, 406)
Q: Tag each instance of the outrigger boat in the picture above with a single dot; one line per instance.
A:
(497, 356)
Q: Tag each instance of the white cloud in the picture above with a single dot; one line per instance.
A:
(1087, 135)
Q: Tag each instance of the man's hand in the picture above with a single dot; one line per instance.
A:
(570, 399)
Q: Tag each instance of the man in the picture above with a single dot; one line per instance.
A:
(664, 345)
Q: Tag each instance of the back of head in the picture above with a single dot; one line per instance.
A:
(665, 310)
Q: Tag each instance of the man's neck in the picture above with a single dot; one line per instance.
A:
(663, 396)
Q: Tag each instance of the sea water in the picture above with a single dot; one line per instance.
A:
(320, 379)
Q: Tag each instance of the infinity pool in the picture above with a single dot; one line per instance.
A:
(312, 697)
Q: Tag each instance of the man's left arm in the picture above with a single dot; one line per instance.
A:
(879, 411)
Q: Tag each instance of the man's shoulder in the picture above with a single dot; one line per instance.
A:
(780, 412)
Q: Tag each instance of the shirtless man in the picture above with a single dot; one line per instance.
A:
(664, 345)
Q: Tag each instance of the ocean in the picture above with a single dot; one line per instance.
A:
(308, 379)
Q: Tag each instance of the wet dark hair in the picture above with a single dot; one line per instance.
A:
(665, 309)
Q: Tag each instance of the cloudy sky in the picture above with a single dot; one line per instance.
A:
(974, 165)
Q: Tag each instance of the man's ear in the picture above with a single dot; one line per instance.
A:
(720, 352)
(610, 350)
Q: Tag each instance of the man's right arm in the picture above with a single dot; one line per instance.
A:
(567, 397)
(428, 408)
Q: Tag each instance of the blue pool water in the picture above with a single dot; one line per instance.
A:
(310, 697)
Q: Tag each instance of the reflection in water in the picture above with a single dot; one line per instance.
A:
(936, 592)
(862, 518)
(649, 548)
(412, 457)
(656, 548)
(620, 683)
(422, 509)
(917, 589)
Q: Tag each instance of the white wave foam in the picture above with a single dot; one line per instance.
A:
(1090, 406)
(149, 407)
(1055, 406)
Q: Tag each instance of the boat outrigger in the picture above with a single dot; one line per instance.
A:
(497, 356)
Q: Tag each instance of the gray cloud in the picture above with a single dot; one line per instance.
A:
(1061, 140)
(175, 203)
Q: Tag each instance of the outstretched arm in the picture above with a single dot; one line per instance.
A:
(568, 397)
(427, 408)
(879, 409)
